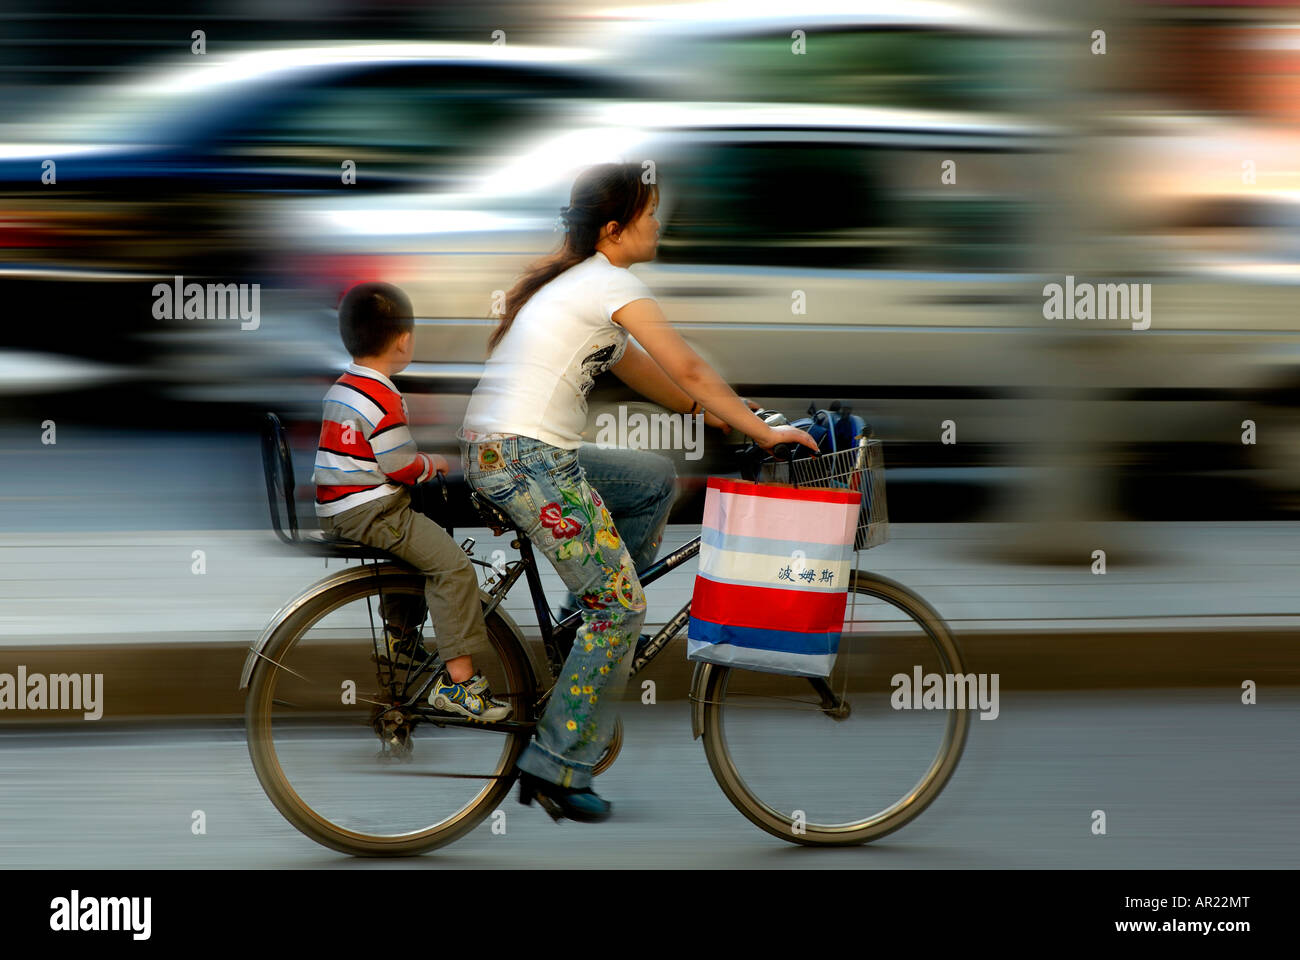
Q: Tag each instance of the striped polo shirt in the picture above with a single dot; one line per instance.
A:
(366, 450)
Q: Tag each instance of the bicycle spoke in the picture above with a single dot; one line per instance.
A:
(279, 666)
(733, 697)
(465, 776)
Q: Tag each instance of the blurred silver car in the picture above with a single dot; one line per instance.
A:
(923, 54)
(806, 250)
(819, 252)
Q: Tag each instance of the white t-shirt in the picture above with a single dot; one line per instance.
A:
(536, 381)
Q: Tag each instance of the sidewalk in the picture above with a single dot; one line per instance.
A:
(1220, 604)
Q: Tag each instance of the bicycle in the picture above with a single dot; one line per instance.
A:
(312, 734)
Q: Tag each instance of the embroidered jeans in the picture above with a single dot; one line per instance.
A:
(546, 492)
(638, 487)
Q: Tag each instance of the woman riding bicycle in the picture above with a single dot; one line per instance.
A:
(567, 320)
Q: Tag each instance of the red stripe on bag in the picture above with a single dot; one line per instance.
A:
(768, 608)
(784, 492)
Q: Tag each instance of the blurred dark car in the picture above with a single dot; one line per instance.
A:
(179, 174)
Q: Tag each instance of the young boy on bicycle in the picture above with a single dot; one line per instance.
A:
(364, 464)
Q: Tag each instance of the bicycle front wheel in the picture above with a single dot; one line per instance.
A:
(821, 777)
(345, 744)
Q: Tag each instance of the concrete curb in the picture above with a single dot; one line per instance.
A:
(192, 678)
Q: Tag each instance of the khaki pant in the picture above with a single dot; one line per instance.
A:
(451, 587)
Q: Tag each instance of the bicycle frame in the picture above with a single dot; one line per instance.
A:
(527, 565)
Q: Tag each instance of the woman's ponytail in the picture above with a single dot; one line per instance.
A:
(605, 192)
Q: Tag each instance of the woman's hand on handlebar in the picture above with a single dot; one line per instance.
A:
(785, 434)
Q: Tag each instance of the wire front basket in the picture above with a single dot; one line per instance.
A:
(855, 468)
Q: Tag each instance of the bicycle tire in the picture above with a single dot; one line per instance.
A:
(514, 660)
(712, 682)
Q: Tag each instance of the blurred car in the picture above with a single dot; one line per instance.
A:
(921, 54)
(179, 174)
(806, 250)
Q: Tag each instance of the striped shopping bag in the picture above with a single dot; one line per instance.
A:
(773, 577)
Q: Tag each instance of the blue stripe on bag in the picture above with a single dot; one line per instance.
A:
(755, 638)
(771, 545)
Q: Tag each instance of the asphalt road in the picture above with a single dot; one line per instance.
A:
(1188, 779)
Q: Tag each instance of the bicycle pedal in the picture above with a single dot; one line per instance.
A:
(395, 753)
(552, 808)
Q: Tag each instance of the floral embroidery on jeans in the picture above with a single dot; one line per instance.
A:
(570, 523)
(565, 521)
(558, 521)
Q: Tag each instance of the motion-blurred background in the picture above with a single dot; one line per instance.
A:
(1166, 160)
(914, 174)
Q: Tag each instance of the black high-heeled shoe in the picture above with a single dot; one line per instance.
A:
(561, 802)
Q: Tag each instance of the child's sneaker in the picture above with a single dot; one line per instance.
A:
(478, 686)
(470, 699)
(408, 650)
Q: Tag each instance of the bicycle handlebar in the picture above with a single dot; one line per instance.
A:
(782, 451)
(750, 454)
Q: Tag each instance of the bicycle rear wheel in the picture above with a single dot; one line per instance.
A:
(810, 778)
(343, 753)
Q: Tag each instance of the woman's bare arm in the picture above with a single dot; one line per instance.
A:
(687, 371)
(640, 372)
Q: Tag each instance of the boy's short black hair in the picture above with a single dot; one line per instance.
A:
(372, 316)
